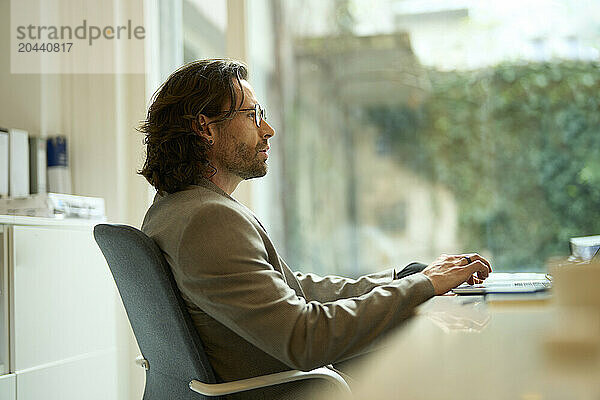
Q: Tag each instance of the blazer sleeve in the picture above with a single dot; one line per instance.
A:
(224, 269)
(331, 287)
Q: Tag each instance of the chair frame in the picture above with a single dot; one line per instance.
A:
(220, 389)
(217, 389)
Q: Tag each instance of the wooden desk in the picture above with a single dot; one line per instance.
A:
(463, 348)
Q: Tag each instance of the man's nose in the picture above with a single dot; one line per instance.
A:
(266, 129)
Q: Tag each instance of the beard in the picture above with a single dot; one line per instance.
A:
(241, 159)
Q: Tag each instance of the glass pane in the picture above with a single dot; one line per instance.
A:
(412, 128)
(204, 25)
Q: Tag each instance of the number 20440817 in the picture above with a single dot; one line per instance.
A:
(45, 47)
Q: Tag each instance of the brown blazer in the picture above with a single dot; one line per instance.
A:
(254, 315)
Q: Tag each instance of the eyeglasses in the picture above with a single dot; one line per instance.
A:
(259, 113)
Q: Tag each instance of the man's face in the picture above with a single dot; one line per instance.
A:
(241, 148)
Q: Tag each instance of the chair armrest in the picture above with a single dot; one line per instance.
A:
(218, 389)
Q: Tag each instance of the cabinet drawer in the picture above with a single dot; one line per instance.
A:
(63, 296)
(89, 377)
(8, 387)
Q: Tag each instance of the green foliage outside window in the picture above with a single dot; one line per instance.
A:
(519, 147)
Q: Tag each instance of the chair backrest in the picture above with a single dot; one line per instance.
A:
(161, 324)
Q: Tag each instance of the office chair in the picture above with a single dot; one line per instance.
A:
(172, 353)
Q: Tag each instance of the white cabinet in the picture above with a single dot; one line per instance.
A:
(8, 387)
(63, 313)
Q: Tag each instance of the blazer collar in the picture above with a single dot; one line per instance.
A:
(205, 183)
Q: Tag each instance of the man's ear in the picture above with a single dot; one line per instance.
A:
(196, 127)
(201, 128)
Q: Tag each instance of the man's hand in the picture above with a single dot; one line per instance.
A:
(449, 271)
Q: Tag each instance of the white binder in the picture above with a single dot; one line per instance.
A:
(18, 159)
(3, 163)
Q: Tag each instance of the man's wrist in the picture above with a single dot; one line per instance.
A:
(412, 268)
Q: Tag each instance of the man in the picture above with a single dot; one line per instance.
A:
(205, 133)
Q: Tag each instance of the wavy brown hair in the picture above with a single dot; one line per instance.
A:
(176, 156)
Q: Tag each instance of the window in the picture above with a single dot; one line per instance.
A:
(473, 125)
(204, 26)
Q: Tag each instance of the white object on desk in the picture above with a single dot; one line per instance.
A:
(585, 247)
(507, 283)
